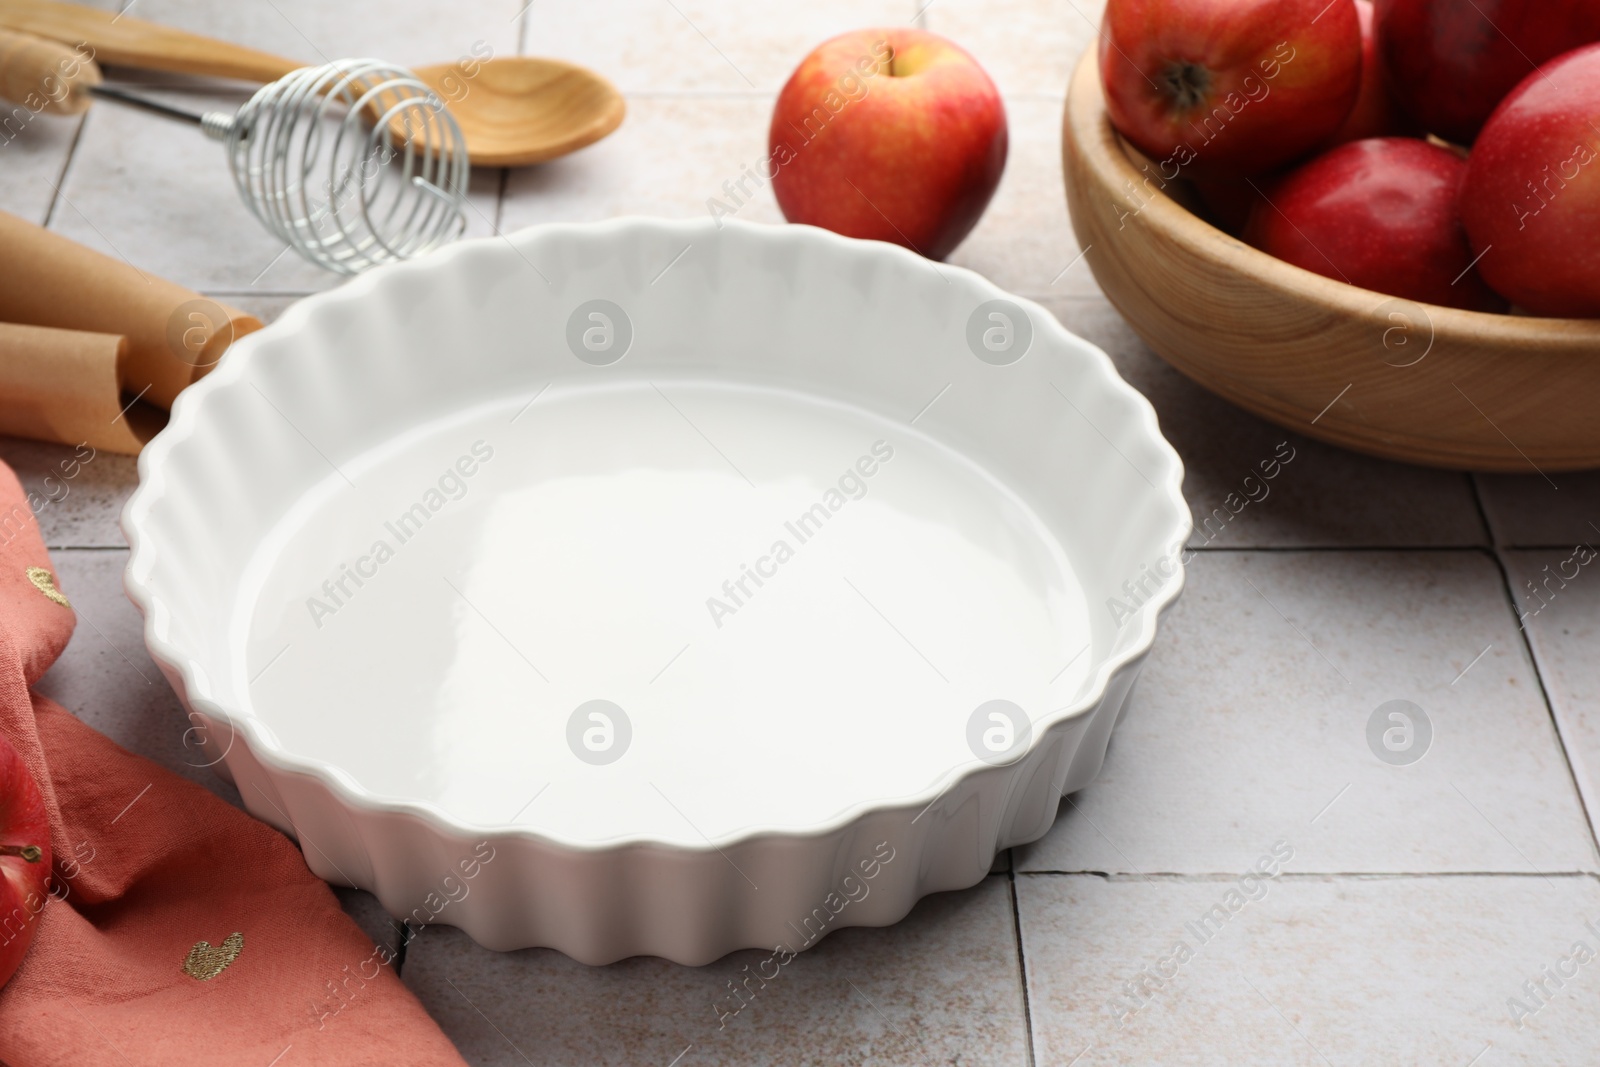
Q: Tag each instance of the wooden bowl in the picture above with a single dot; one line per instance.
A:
(1364, 370)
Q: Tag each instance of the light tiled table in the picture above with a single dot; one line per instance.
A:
(1417, 899)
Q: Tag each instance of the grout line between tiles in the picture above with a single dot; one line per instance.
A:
(402, 944)
(699, 94)
(1022, 963)
(1476, 549)
(1585, 801)
(1198, 550)
(1223, 878)
(500, 199)
(280, 293)
(1483, 508)
(66, 164)
(1039, 296)
(769, 94)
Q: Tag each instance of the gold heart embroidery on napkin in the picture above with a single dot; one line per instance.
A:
(45, 582)
(205, 961)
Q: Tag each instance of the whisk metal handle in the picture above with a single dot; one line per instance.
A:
(145, 104)
(214, 124)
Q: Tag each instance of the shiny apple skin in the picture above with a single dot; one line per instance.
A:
(1449, 63)
(1531, 199)
(1225, 88)
(1379, 214)
(913, 159)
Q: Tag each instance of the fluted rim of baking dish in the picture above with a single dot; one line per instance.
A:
(233, 369)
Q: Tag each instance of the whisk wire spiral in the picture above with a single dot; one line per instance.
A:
(353, 163)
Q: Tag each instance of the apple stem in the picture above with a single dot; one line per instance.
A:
(31, 853)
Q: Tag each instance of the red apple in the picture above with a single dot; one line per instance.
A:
(1221, 88)
(1451, 62)
(1375, 113)
(24, 859)
(1379, 214)
(892, 135)
(1531, 200)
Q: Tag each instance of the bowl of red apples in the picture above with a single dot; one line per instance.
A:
(1378, 225)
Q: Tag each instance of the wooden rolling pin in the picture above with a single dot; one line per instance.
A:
(133, 42)
(45, 75)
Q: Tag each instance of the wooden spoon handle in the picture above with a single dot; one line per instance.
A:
(45, 75)
(131, 42)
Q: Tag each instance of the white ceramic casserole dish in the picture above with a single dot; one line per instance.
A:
(654, 587)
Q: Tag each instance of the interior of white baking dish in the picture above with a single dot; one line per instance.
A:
(403, 369)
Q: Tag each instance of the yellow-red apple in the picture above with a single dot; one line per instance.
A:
(889, 134)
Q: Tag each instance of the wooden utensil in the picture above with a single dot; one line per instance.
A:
(45, 75)
(513, 110)
(1424, 384)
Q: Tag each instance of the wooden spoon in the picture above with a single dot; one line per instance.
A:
(513, 110)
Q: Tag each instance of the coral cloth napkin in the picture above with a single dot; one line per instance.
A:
(147, 867)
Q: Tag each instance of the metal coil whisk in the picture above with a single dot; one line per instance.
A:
(352, 164)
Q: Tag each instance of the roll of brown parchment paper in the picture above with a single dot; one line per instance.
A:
(174, 335)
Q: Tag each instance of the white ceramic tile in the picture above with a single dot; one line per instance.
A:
(698, 45)
(1027, 46)
(1528, 510)
(33, 155)
(414, 34)
(1312, 973)
(80, 498)
(943, 986)
(1250, 724)
(1324, 496)
(668, 158)
(106, 678)
(158, 194)
(1558, 592)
